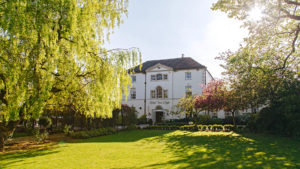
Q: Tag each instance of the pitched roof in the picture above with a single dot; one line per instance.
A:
(175, 63)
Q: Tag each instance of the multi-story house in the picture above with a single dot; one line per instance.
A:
(159, 84)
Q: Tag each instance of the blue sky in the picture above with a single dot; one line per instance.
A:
(164, 29)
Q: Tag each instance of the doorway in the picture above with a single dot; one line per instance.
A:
(159, 116)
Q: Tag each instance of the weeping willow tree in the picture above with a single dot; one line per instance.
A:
(52, 55)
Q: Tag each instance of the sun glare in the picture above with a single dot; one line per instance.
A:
(255, 14)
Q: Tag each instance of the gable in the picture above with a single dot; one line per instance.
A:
(158, 68)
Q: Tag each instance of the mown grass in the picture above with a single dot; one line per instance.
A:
(164, 149)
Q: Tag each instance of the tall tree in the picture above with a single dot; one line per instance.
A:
(271, 51)
(51, 54)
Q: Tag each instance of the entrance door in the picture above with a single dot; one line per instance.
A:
(159, 115)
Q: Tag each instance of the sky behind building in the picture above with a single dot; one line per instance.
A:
(164, 29)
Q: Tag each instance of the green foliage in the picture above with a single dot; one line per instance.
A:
(40, 136)
(281, 116)
(52, 56)
(67, 129)
(268, 56)
(45, 122)
(129, 115)
(203, 119)
(93, 133)
(142, 119)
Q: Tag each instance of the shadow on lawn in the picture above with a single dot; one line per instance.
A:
(127, 136)
(231, 151)
(9, 159)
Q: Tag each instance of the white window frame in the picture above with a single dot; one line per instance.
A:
(158, 75)
(165, 93)
(165, 75)
(188, 75)
(153, 94)
(133, 93)
(154, 77)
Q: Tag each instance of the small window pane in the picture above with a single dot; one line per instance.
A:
(153, 77)
(165, 77)
(158, 92)
(165, 93)
(152, 94)
(133, 78)
(158, 77)
(133, 94)
(188, 75)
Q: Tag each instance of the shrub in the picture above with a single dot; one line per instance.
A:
(228, 127)
(203, 119)
(93, 133)
(45, 122)
(142, 119)
(67, 129)
(40, 136)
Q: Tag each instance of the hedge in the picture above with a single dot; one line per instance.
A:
(214, 127)
(93, 133)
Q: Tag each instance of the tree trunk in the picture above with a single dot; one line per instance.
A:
(5, 131)
(233, 119)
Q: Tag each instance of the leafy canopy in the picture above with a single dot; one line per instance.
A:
(52, 57)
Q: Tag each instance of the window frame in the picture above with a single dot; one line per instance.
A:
(133, 93)
(188, 75)
(133, 77)
(165, 76)
(152, 77)
(165, 93)
(153, 94)
(159, 92)
(161, 76)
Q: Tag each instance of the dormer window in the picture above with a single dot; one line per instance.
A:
(159, 77)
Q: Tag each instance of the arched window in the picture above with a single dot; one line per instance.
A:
(158, 92)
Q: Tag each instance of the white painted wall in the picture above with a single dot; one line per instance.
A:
(175, 84)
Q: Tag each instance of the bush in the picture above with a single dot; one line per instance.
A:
(40, 136)
(203, 119)
(142, 119)
(93, 133)
(67, 130)
(45, 122)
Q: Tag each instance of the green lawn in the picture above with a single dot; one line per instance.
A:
(164, 149)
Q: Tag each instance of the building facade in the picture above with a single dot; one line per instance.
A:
(158, 86)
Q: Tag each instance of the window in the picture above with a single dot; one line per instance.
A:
(133, 93)
(158, 77)
(158, 92)
(188, 90)
(188, 75)
(152, 94)
(165, 77)
(133, 79)
(165, 93)
(153, 77)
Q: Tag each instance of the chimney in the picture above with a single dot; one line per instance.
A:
(182, 55)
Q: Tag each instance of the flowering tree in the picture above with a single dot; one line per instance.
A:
(212, 98)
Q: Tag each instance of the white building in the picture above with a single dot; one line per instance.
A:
(158, 86)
